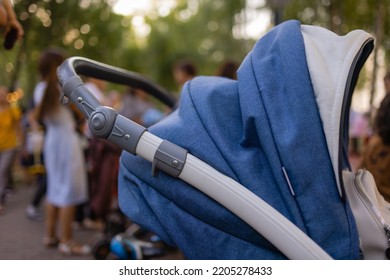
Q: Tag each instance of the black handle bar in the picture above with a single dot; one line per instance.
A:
(90, 68)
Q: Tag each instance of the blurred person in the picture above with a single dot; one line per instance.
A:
(32, 160)
(97, 87)
(8, 19)
(10, 116)
(183, 71)
(151, 116)
(44, 69)
(376, 157)
(37, 127)
(103, 166)
(83, 215)
(358, 131)
(386, 82)
(136, 106)
(135, 103)
(114, 99)
(228, 69)
(103, 157)
(64, 161)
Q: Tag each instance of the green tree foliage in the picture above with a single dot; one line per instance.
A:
(338, 16)
(344, 16)
(198, 29)
(207, 31)
(86, 28)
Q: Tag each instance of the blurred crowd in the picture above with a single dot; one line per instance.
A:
(73, 172)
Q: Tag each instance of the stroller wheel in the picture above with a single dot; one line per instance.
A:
(101, 249)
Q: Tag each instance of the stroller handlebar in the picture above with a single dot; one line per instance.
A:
(90, 68)
(104, 122)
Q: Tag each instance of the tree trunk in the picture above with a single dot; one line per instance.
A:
(378, 33)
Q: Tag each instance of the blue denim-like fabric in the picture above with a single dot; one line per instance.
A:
(247, 129)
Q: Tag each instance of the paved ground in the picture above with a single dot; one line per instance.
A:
(21, 238)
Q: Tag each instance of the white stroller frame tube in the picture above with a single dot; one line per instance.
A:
(267, 221)
(106, 123)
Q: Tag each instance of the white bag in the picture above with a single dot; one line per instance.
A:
(34, 141)
(372, 214)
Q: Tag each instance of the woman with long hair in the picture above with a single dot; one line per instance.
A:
(64, 159)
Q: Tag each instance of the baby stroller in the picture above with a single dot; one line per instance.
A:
(126, 242)
(280, 184)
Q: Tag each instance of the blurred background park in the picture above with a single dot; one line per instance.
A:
(149, 36)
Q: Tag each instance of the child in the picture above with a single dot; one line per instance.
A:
(10, 115)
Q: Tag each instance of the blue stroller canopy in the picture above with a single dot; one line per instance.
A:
(261, 159)
(278, 130)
